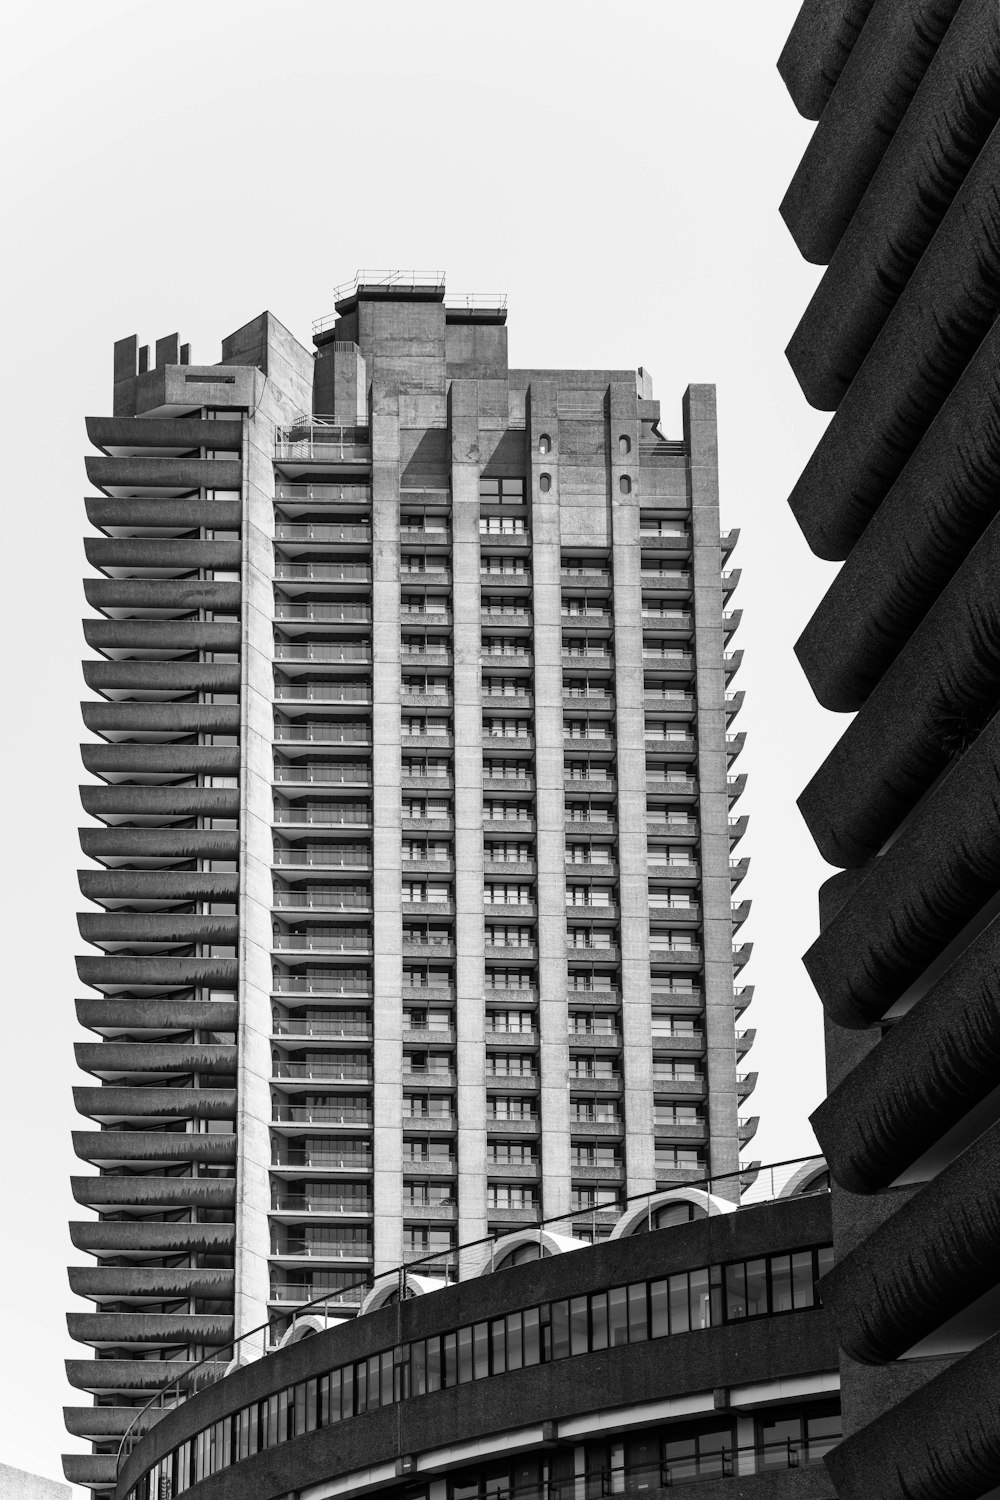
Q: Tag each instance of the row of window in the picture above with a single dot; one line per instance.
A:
(552, 1331)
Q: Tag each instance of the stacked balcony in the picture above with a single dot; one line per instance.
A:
(163, 978)
(321, 1032)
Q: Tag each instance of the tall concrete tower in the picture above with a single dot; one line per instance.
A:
(413, 857)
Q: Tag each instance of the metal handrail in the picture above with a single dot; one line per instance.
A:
(710, 1183)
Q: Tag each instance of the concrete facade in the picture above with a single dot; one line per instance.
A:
(416, 871)
(896, 197)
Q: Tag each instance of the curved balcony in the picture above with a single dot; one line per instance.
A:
(125, 845)
(153, 1283)
(133, 804)
(135, 679)
(157, 972)
(139, 1237)
(925, 162)
(911, 367)
(160, 637)
(816, 51)
(923, 1264)
(147, 1330)
(122, 477)
(926, 1074)
(154, 1192)
(941, 687)
(112, 1060)
(887, 63)
(921, 532)
(131, 1377)
(915, 899)
(163, 514)
(135, 928)
(160, 720)
(156, 887)
(113, 1148)
(147, 764)
(155, 557)
(110, 433)
(942, 1440)
(111, 1105)
(153, 598)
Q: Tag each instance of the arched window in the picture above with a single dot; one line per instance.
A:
(624, 445)
(625, 485)
(545, 483)
(545, 443)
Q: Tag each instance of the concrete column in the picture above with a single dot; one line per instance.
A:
(713, 796)
(550, 798)
(630, 724)
(386, 843)
(467, 688)
(253, 1190)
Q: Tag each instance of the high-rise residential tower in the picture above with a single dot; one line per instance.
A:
(413, 841)
(896, 196)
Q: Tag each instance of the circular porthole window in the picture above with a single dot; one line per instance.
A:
(545, 483)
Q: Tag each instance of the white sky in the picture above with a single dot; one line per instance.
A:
(616, 170)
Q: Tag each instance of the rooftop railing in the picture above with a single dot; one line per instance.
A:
(757, 1185)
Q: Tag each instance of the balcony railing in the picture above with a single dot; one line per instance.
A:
(287, 1291)
(325, 1249)
(326, 442)
(321, 1114)
(307, 1026)
(325, 1161)
(322, 692)
(307, 942)
(336, 773)
(330, 731)
(333, 651)
(337, 612)
(323, 572)
(316, 1204)
(317, 984)
(329, 856)
(351, 494)
(295, 531)
(330, 816)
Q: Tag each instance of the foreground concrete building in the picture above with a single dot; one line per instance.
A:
(413, 843)
(897, 196)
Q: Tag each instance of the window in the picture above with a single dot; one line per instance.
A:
(545, 483)
(544, 443)
(502, 491)
(624, 446)
(507, 1195)
(791, 1437)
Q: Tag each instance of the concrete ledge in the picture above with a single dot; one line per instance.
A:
(817, 48)
(870, 97)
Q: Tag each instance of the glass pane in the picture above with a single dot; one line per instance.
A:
(560, 1330)
(699, 1299)
(418, 1368)
(756, 1272)
(578, 1325)
(532, 1336)
(499, 1345)
(480, 1351)
(680, 1308)
(514, 1341)
(803, 1291)
(464, 1355)
(736, 1291)
(781, 1283)
(599, 1320)
(434, 1364)
(617, 1316)
(450, 1346)
(637, 1326)
(659, 1309)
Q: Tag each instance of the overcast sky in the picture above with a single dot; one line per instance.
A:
(616, 170)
